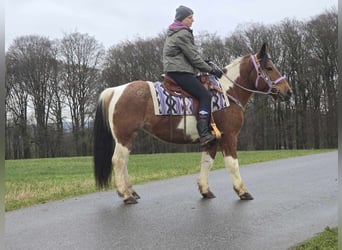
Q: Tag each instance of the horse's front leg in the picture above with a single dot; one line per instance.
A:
(232, 164)
(207, 161)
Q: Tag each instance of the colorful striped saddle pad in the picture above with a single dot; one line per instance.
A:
(167, 104)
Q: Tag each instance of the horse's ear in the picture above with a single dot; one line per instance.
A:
(263, 51)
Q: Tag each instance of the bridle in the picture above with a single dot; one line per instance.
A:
(261, 74)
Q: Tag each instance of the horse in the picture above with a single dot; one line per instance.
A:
(123, 110)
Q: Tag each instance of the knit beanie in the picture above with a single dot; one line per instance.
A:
(182, 12)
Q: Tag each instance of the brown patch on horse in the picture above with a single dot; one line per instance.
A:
(165, 127)
(273, 73)
(130, 111)
(134, 110)
(231, 129)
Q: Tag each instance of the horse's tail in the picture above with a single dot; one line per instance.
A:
(103, 142)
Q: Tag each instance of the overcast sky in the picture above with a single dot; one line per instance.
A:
(115, 21)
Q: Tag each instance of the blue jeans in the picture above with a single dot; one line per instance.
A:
(193, 86)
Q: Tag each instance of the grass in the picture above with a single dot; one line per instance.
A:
(327, 240)
(36, 181)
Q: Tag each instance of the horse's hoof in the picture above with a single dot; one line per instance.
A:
(246, 197)
(135, 195)
(130, 200)
(208, 195)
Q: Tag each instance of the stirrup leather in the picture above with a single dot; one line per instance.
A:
(216, 131)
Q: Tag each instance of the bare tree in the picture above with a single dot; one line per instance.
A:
(322, 41)
(294, 55)
(212, 47)
(17, 136)
(81, 56)
(56, 112)
(34, 56)
(129, 61)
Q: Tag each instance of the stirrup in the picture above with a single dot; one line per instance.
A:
(217, 133)
(206, 140)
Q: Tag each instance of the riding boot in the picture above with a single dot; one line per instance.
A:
(204, 132)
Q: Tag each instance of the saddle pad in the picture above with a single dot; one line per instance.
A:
(166, 104)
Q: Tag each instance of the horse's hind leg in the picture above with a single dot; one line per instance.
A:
(207, 161)
(129, 184)
(122, 179)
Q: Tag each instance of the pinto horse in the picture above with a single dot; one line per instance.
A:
(123, 110)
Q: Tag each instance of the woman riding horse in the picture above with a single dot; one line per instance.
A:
(181, 60)
(124, 110)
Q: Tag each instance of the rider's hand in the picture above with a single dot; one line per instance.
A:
(216, 72)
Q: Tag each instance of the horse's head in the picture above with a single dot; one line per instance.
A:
(268, 79)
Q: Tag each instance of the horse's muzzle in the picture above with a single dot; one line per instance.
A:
(276, 93)
(288, 95)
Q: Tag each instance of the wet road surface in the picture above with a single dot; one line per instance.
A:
(293, 199)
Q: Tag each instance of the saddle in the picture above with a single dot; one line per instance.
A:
(175, 90)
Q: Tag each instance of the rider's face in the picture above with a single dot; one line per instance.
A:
(188, 20)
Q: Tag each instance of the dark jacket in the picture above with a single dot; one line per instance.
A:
(180, 53)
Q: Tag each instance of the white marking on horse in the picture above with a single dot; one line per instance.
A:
(206, 164)
(120, 161)
(233, 167)
(190, 124)
(233, 72)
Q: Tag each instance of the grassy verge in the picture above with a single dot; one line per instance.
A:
(36, 181)
(327, 240)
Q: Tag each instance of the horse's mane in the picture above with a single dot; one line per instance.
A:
(263, 61)
(233, 68)
(234, 63)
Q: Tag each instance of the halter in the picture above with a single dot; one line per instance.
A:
(271, 84)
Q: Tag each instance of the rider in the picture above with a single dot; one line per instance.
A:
(182, 61)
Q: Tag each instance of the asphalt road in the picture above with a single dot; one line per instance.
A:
(294, 199)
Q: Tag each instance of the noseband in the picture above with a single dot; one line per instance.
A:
(271, 84)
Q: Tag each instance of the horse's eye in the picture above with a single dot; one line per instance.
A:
(269, 68)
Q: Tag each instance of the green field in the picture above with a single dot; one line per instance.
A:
(37, 181)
